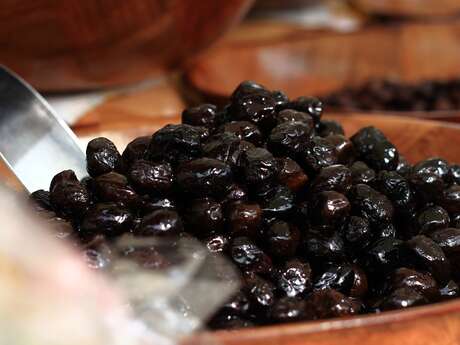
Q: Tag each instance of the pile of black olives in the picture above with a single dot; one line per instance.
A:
(380, 94)
(320, 226)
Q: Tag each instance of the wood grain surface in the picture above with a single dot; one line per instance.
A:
(62, 45)
(424, 8)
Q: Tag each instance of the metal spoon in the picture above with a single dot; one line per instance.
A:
(34, 142)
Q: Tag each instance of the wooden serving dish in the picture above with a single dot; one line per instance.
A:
(437, 324)
(416, 8)
(429, 325)
(316, 63)
(63, 45)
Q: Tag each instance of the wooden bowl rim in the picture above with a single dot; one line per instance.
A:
(309, 327)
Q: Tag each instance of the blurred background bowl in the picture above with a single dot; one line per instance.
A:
(408, 8)
(60, 45)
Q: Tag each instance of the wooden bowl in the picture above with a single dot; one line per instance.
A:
(62, 45)
(429, 325)
(419, 8)
(317, 63)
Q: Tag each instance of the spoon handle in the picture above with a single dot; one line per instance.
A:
(34, 142)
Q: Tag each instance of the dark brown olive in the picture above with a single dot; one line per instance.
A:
(370, 204)
(68, 196)
(290, 115)
(383, 256)
(102, 157)
(217, 243)
(450, 199)
(424, 283)
(404, 168)
(429, 255)
(318, 154)
(339, 277)
(259, 167)
(203, 216)
(201, 115)
(294, 278)
(397, 189)
(455, 221)
(246, 87)
(343, 148)
(282, 239)
(162, 223)
(150, 204)
(110, 219)
(244, 130)
(427, 186)
(257, 107)
(227, 148)
(150, 177)
(249, 256)
(330, 303)
(403, 298)
(279, 202)
(330, 127)
(204, 177)
(235, 193)
(146, 257)
(437, 166)
(374, 148)
(310, 105)
(330, 208)
(135, 150)
(359, 287)
(281, 100)
(288, 309)
(361, 173)
(449, 291)
(229, 322)
(454, 173)
(175, 144)
(289, 139)
(449, 241)
(114, 187)
(237, 304)
(245, 219)
(261, 293)
(40, 200)
(333, 178)
(358, 233)
(321, 246)
(291, 174)
(432, 218)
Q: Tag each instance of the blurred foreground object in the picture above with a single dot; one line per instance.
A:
(63, 45)
(49, 297)
(408, 8)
